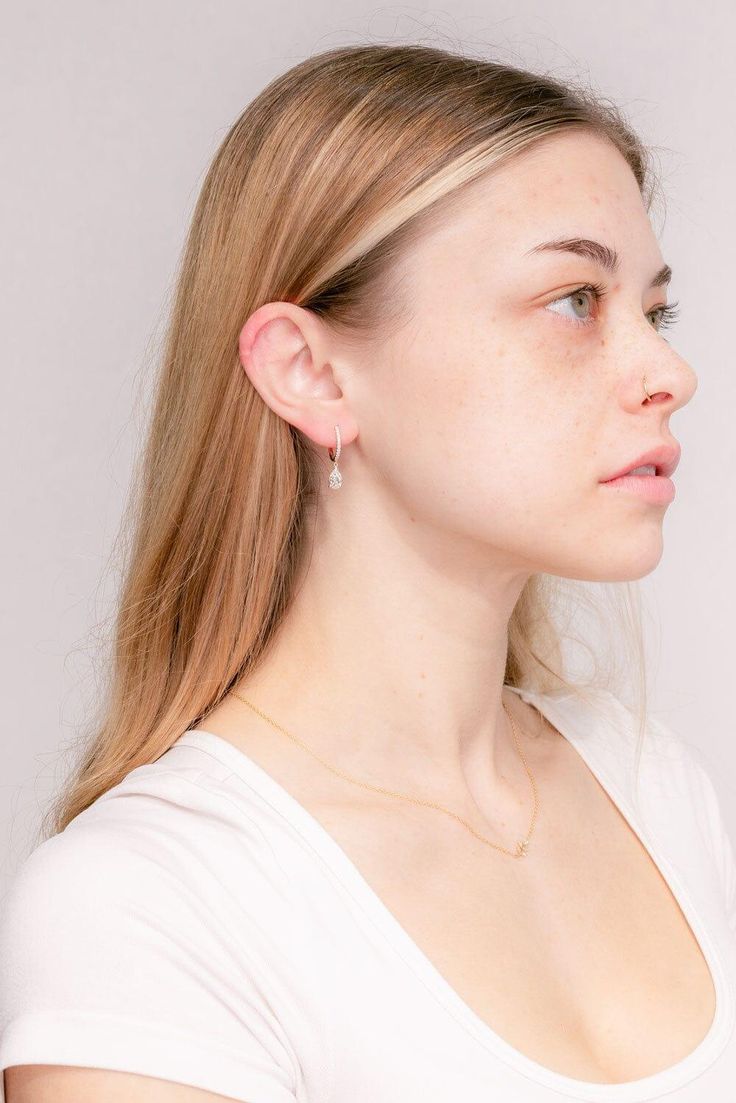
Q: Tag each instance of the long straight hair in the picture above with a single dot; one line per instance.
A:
(327, 176)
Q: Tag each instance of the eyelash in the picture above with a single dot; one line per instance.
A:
(667, 314)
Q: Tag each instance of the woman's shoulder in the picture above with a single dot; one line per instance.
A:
(599, 715)
(141, 937)
(662, 774)
(656, 757)
(168, 839)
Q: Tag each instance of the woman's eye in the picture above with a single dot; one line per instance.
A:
(665, 315)
(579, 302)
(578, 307)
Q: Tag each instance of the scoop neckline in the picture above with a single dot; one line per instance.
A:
(341, 866)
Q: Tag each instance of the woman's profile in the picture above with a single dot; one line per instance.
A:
(347, 827)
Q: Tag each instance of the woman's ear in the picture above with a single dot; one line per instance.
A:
(283, 350)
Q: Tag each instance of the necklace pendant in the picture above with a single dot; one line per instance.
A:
(521, 847)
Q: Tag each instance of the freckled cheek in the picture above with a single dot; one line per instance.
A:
(561, 373)
(503, 400)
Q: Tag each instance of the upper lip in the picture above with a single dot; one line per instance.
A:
(665, 458)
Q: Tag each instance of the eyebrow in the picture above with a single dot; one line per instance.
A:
(600, 254)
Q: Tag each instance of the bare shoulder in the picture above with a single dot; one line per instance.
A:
(73, 1084)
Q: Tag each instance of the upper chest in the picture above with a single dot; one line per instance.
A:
(578, 954)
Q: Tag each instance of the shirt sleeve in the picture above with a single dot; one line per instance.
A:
(109, 960)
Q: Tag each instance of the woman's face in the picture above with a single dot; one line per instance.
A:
(499, 408)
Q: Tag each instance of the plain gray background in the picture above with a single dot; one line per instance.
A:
(111, 114)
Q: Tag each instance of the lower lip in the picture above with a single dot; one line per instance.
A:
(655, 488)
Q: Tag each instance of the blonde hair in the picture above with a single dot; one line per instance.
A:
(322, 182)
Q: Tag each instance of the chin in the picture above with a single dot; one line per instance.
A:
(616, 556)
(630, 563)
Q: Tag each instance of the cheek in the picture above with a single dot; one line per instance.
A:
(483, 433)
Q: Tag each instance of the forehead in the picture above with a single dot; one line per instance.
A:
(571, 184)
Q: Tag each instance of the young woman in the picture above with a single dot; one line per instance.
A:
(348, 829)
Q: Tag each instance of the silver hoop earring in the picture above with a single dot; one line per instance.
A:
(646, 392)
(335, 481)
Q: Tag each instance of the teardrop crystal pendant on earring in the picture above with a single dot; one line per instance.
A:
(335, 477)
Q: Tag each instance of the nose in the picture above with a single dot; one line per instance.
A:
(670, 380)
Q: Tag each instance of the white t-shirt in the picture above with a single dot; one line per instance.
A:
(197, 924)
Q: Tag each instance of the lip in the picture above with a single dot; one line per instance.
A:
(665, 458)
(652, 488)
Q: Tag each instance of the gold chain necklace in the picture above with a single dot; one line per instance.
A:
(521, 846)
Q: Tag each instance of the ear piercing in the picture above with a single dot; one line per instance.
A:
(335, 481)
